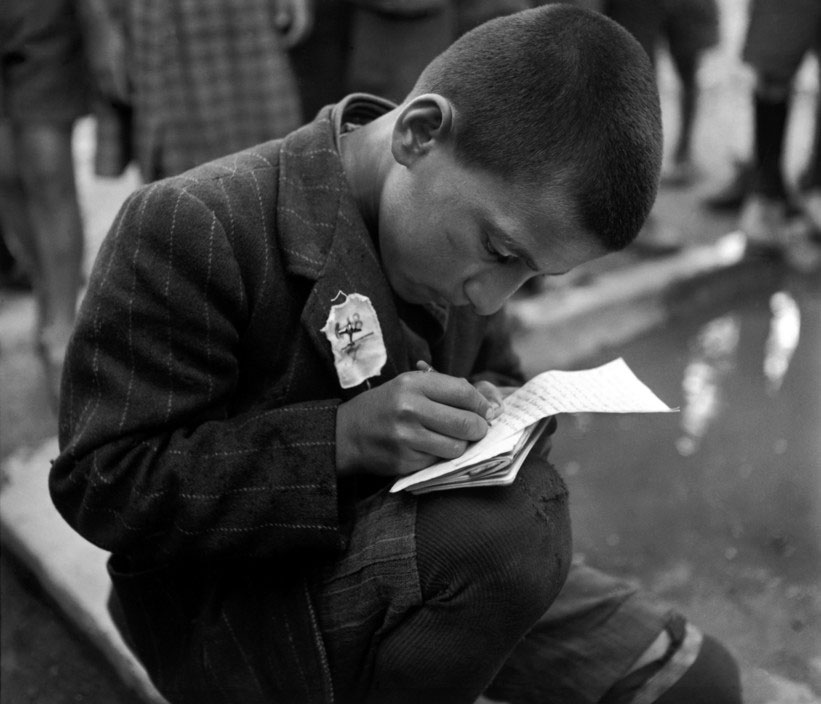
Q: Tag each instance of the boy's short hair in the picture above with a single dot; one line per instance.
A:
(561, 98)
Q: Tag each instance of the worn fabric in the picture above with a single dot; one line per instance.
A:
(780, 34)
(429, 612)
(209, 77)
(43, 70)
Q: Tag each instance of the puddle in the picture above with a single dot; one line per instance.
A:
(716, 508)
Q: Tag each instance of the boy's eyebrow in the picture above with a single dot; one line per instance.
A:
(512, 246)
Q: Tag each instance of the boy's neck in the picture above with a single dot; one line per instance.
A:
(366, 160)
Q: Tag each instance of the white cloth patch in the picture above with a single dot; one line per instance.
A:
(356, 340)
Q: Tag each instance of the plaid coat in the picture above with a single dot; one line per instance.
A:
(199, 406)
(209, 77)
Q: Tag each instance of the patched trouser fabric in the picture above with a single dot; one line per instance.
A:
(435, 591)
(448, 595)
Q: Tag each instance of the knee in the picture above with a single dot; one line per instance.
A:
(508, 546)
(529, 562)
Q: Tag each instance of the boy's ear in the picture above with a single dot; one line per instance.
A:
(425, 121)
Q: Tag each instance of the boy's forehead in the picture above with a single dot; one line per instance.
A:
(537, 223)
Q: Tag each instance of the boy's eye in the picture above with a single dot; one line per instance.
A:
(496, 254)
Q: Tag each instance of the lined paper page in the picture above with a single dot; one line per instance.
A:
(610, 388)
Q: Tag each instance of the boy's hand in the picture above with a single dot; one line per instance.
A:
(496, 395)
(409, 423)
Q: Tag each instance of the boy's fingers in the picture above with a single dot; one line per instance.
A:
(455, 392)
(454, 423)
(493, 394)
(439, 446)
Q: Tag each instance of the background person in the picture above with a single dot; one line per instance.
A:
(183, 83)
(381, 46)
(688, 28)
(43, 91)
(780, 35)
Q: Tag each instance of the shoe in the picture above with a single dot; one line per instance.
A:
(763, 221)
(731, 196)
(680, 174)
(657, 238)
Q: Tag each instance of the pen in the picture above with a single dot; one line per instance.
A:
(423, 366)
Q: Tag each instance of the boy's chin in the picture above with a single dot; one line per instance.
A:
(418, 300)
(420, 294)
(416, 294)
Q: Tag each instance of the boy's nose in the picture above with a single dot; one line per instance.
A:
(489, 292)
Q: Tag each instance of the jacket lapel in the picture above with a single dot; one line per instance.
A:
(324, 238)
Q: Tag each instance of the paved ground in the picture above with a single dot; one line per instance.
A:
(45, 658)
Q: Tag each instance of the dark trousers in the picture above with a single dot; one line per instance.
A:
(435, 592)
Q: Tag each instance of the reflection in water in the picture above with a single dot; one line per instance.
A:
(785, 328)
(712, 358)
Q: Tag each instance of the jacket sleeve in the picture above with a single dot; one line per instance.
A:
(154, 461)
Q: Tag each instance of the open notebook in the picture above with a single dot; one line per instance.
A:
(496, 458)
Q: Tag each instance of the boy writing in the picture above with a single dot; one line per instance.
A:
(242, 390)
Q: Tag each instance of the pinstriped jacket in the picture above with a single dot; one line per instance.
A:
(199, 405)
